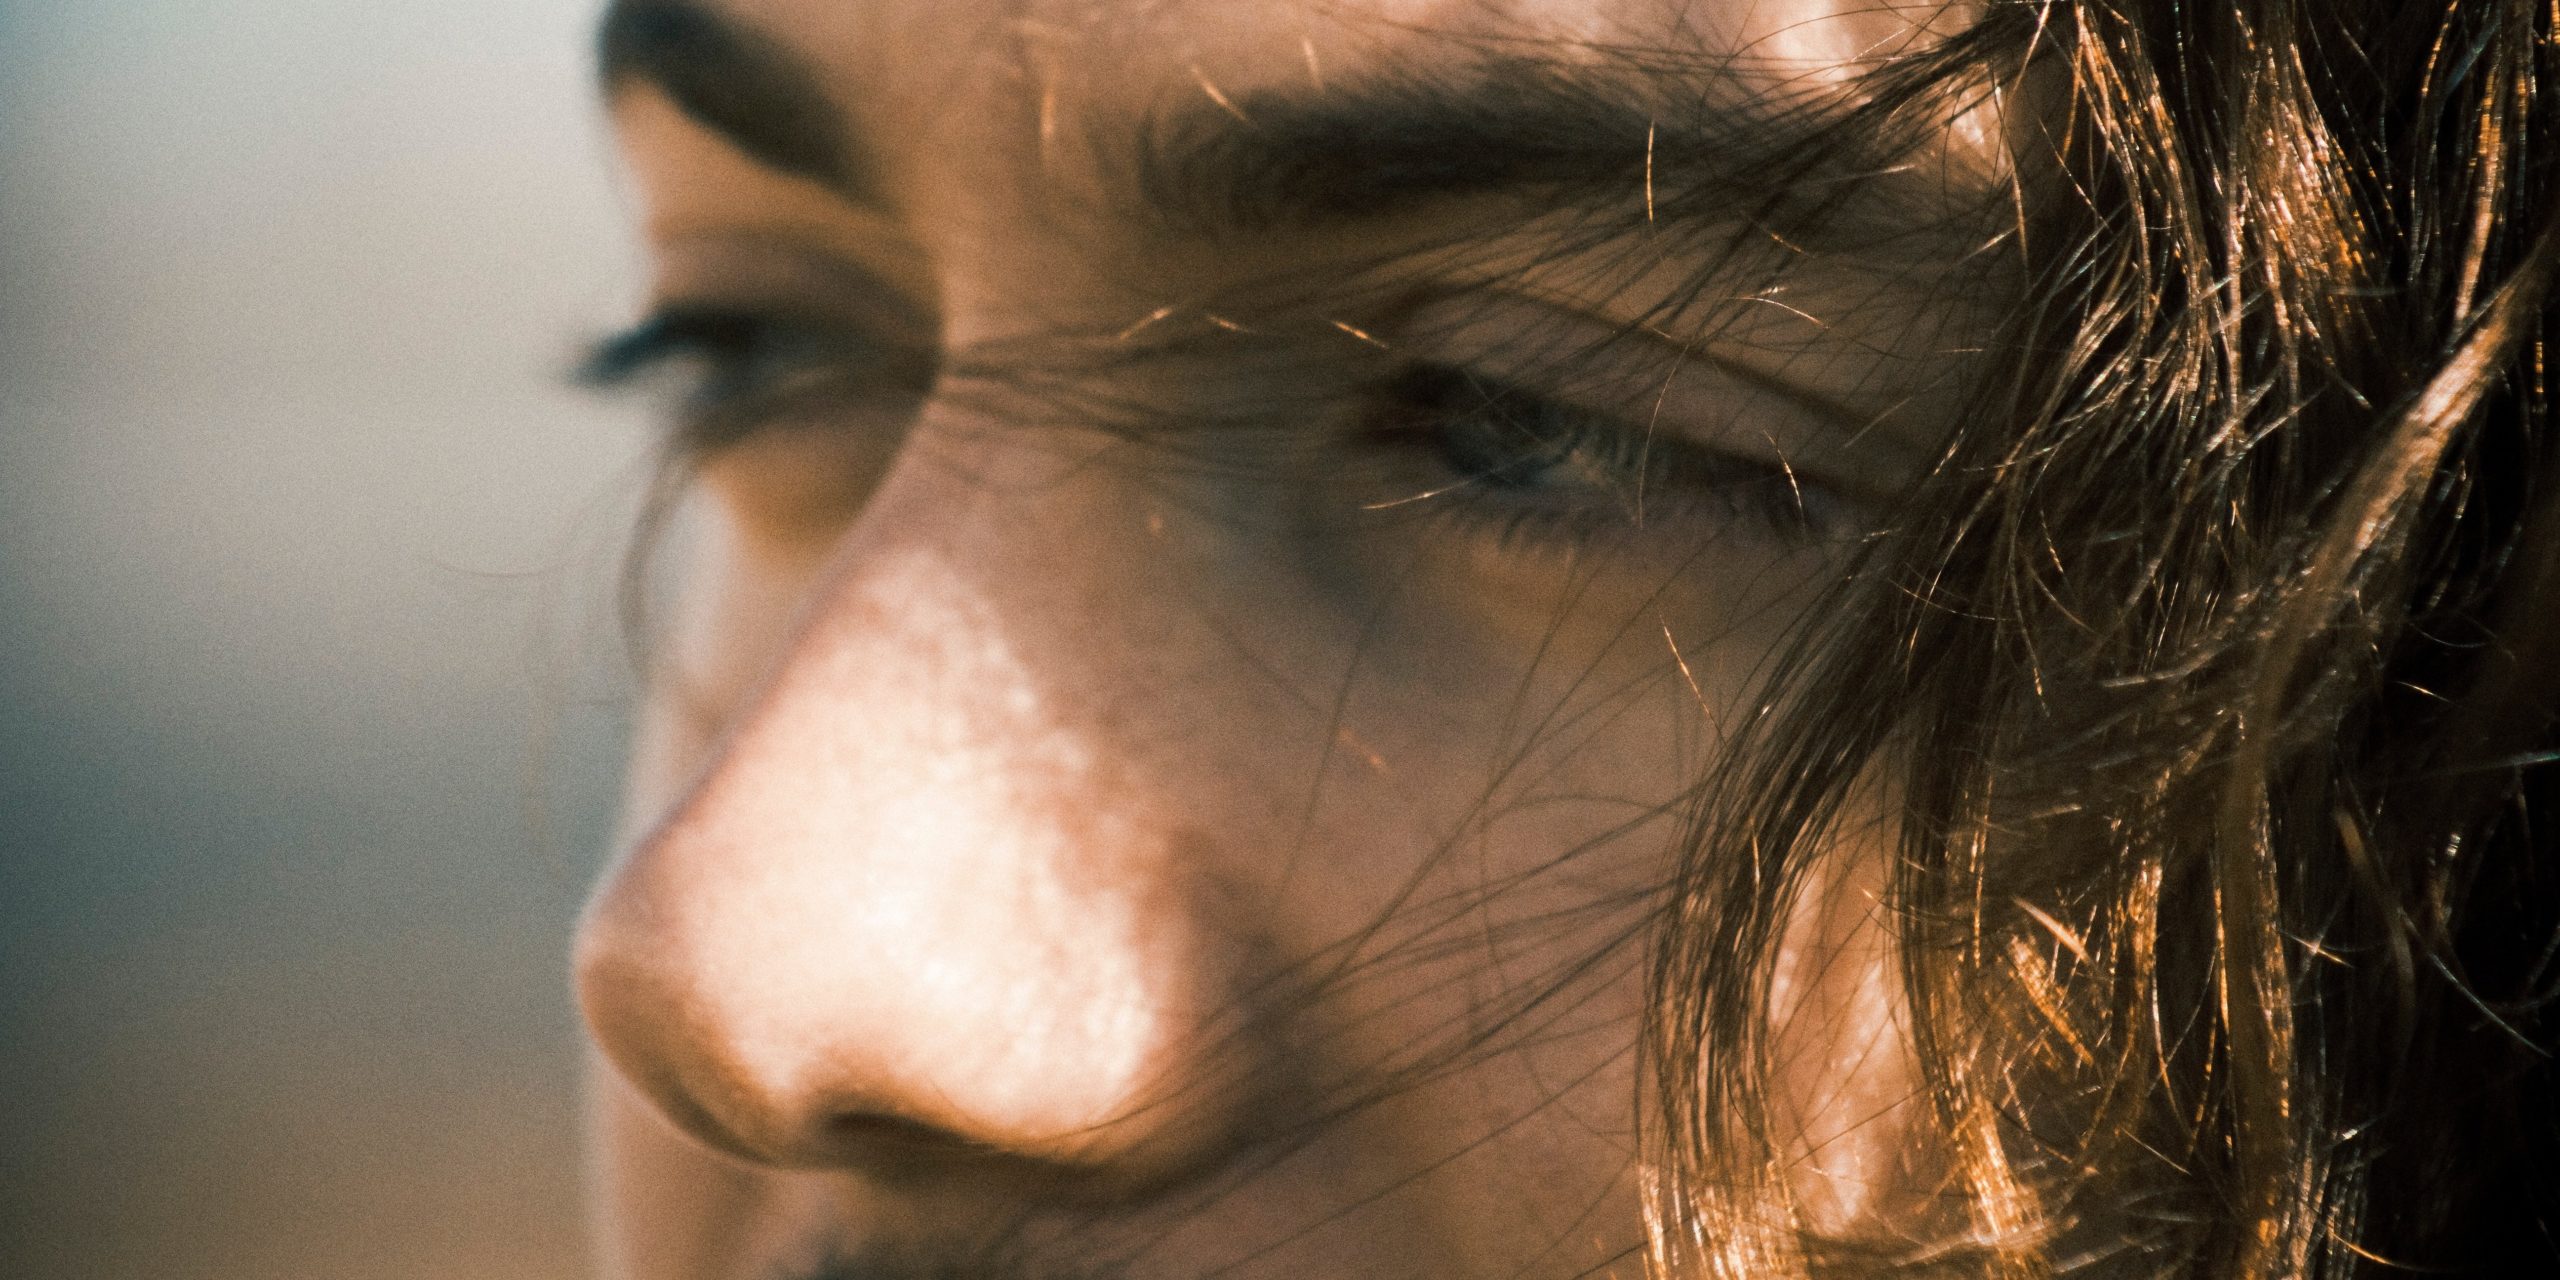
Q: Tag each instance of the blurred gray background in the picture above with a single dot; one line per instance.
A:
(310, 694)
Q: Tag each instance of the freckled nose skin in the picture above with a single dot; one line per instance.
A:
(923, 905)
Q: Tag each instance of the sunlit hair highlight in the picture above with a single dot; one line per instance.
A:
(2215, 673)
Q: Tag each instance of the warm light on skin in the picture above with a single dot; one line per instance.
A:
(1024, 839)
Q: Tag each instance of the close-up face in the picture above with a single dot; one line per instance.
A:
(1280, 639)
(1216, 543)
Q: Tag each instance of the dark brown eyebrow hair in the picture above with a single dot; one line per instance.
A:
(737, 82)
(1270, 159)
(1262, 161)
(1653, 139)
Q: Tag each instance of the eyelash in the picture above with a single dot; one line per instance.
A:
(750, 372)
(1497, 443)
(1490, 449)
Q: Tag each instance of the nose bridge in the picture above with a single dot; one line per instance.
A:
(919, 892)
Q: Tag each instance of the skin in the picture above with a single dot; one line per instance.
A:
(1050, 858)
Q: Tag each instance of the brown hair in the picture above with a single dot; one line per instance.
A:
(2227, 901)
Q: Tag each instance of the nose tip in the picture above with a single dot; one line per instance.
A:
(933, 901)
(916, 1008)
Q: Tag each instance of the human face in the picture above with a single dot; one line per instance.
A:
(1174, 720)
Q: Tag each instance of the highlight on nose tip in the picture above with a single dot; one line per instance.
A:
(1051, 1135)
(814, 1030)
(689, 1045)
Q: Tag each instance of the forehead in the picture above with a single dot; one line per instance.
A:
(1251, 38)
(942, 81)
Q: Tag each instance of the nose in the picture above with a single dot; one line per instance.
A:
(922, 909)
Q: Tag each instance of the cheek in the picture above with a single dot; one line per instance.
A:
(1611, 671)
(1576, 705)
(1843, 1075)
(1511, 737)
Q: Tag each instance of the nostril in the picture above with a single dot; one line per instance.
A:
(896, 1148)
(894, 1151)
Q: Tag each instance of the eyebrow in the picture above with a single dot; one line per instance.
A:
(1271, 160)
(737, 82)
(1593, 137)
(1264, 160)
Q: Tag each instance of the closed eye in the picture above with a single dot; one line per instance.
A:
(740, 371)
(1483, 448)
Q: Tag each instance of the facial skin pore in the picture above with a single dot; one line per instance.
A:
(1059, 852)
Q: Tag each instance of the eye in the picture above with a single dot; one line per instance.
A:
(1494, 435)
(743, 372)
(788, 419)
(1536, 465)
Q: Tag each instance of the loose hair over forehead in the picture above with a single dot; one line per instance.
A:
(2214, 670)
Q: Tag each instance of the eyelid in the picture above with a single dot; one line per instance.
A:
(1652, 381)
(775, 275)
(771, 329)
